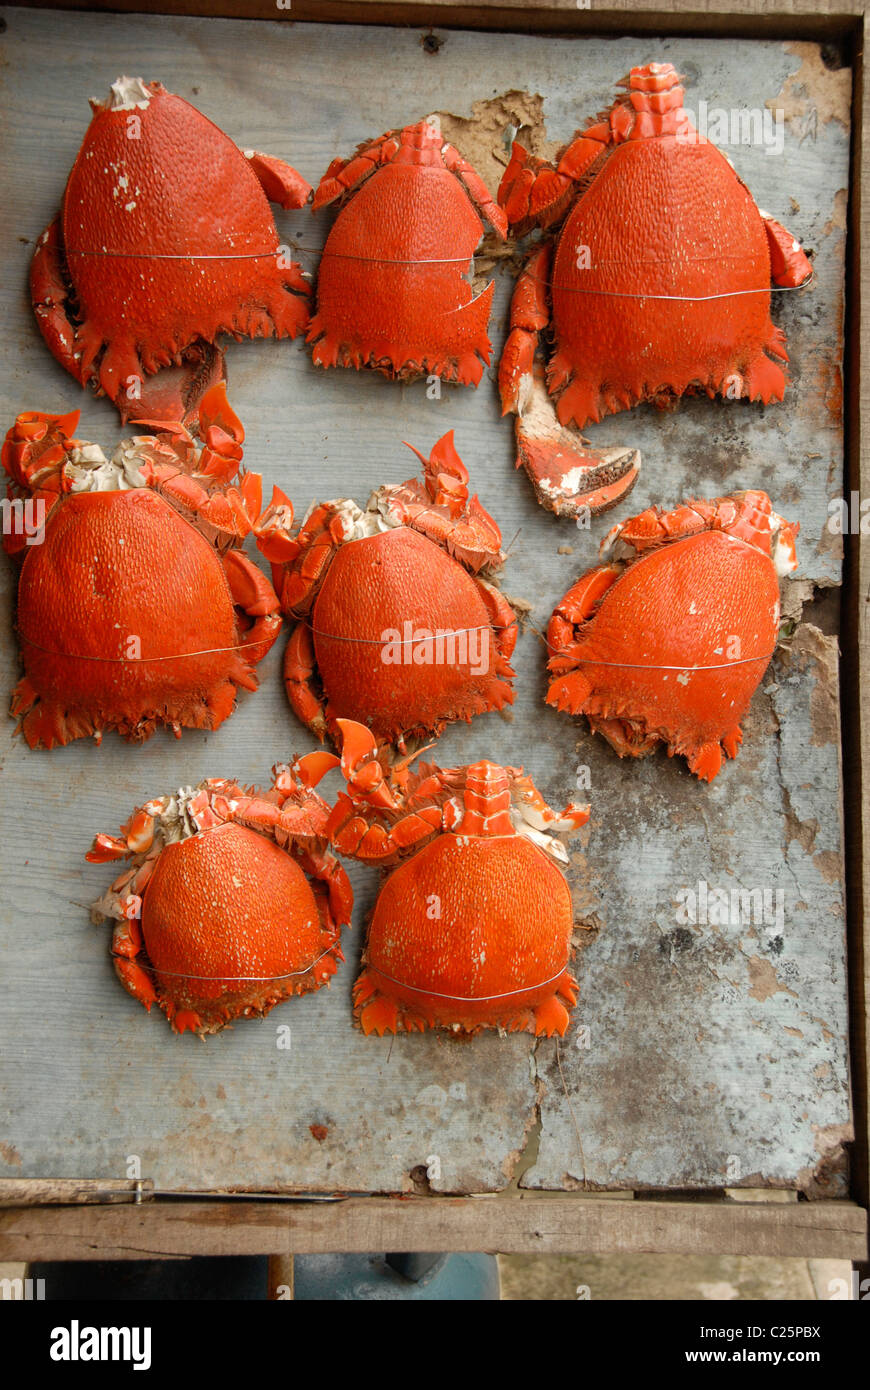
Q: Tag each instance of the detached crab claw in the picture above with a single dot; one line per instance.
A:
(568, 473)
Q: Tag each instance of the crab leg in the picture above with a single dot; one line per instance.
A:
(223, 435)
(349, 830)
(126, 946)
(327, 870)
(36, 448)
(537, 813)
(317, 540)
(444, 474)
(574, 609)
(503, 620)
(746, 515)
(34, 455)
(252, 592)
(569, 475)
(476, 189)
(299, 668)
(272, 533)
(535, 193)
(346, 174)
(51, 298)
(530, 313)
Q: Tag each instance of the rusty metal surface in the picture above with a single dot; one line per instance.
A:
(716, 1053)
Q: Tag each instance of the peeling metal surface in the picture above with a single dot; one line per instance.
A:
(717, 1056)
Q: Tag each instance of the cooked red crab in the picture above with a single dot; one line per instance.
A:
(139, 608)
(232, 902)
(165, 241)
(668, 639)
(396, 627)
(472, 927)
(654, 283)
(391, 288)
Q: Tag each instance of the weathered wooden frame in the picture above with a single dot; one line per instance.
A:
(79, 1220)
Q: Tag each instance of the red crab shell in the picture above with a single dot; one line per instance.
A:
(391, 292)
(472, 928)
(669, 645)
(656, 281)
(165, 241)
(365, 588)
(138, 608)
(232, 903)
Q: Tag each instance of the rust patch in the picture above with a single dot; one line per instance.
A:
(763, 980)
(810, 645)
(320, 1132)
(837, 220)
(814, 95)
(10, 1154)
(804, 831)
(829, 864)
(830, 1177)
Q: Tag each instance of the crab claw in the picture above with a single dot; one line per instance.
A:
(36, 447)
(569, 475)
(272, 530)
(139, 832)
(312, 767)
(106, 848)
(279, 181)
(222, 434)
(445, 474)
(360, 765)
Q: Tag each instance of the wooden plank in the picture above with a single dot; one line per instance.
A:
(801, 18)
(543, 1225)
(31, 1192)
(89, 1081)
(857, 613)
